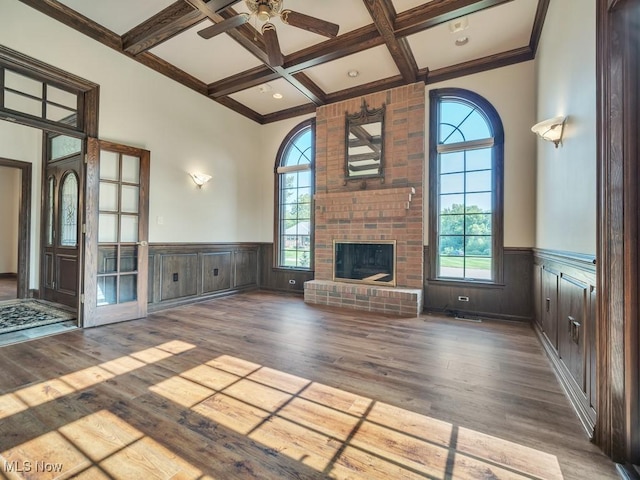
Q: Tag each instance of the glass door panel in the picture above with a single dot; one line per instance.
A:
(118, 226)
(119, 230)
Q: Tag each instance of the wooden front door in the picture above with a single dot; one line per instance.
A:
(61, 239)
(116, 212)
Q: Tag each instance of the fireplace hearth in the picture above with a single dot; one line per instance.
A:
(365, 262)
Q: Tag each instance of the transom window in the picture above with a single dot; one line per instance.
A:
(294, 186)
(466, 158)
(39, 99)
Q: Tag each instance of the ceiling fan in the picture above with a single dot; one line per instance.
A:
(265, 10)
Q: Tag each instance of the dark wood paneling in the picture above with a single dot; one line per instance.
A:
(246, 268)
(572, 323)
(196, 265)
(510, 300)
(280, 279)
(67, 274)
(179, 276)
(216, 271)
(618, 329)
(549, 305)
(538, 305)
(568, 289)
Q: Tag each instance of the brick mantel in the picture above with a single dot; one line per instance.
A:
(372, 210)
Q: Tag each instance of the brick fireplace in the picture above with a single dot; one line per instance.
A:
(374, 209)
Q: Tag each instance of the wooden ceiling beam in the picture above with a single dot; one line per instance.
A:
(383, 14)
(254, 43)
(162, 26)
(241, 109)
(250, 78)
(489, 62)
(538, 23)
(367, 37)
(438, 11)
(306, 109)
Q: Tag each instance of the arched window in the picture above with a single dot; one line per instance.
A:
(466, 184)
(69, 210)
(294, 194)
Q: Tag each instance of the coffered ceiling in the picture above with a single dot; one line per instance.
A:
(380, 44)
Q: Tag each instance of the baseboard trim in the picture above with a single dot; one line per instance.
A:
(481, 315)
(628, 472)
(586, 418)
(9, 275)
(156, 307)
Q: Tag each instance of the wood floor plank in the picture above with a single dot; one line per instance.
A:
(261, 385)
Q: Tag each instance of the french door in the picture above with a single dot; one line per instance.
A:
(60, 277)
(116, 248)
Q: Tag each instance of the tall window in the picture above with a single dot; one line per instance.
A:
(466, 178)
(294, 190)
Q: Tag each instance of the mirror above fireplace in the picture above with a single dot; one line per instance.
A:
(364, 149)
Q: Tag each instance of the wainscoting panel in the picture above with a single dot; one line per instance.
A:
(179, 276)
(181, 273)
(216, 271)
(510, 301)
(246, 267)
(280, 279)
(566, 299)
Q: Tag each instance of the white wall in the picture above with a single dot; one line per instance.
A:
(512, 91)
(566, 74)
(9, 199)
(18, 142)
(183, 130)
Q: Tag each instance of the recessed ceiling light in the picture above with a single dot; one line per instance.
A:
(459, 24)
(277, 96)
(462, 41)
(353, 73)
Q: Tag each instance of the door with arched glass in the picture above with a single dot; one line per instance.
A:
(61, 233)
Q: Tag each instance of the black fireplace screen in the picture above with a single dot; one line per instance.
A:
(365, 262)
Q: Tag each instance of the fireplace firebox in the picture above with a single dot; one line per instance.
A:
(365, 262)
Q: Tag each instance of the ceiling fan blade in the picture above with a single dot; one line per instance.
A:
(312, 24)
(223, 26)
(273, 46)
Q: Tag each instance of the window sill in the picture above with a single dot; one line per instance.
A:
(464, 283)
(291, 269)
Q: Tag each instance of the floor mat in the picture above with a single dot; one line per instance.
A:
(21, 314)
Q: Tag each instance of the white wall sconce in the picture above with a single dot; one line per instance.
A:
(550, 130)
(200, 178)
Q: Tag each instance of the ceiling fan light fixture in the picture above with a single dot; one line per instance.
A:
(264, 10)
(264, 13)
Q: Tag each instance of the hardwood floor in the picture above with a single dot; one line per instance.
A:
(261, 386)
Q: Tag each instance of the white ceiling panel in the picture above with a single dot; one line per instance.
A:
(371, 65)
(490, 31)
(207, 60)
(119, 16)
(349, 15)
(260, 99)
(403, 5)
